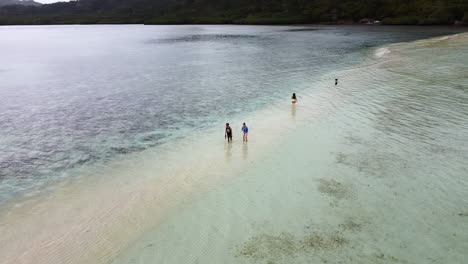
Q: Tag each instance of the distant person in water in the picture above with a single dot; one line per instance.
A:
(336, 81)
(228, 133)
(293, 98)
(245, 129)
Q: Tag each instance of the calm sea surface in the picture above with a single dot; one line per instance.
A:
(74, 96)
(111, 144)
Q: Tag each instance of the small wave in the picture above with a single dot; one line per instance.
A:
(450, 37)
(435, 40)
(380, 52)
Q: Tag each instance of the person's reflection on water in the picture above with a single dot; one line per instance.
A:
(245, 150)
(293, 110)
(227, 152)
(293, 106)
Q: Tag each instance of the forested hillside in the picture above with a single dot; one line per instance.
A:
(18, 2)
(423, 12)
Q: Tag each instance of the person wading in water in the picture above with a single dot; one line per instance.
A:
(293, 98)
(228, 133)
(245, 129)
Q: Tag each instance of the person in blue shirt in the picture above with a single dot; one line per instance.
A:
(245, 129)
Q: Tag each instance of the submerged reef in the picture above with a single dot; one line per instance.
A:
(335, 189)
(321, 244)
(271, 248)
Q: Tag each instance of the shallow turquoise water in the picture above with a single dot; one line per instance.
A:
(374, 171)
(370, 171)
(72, 97)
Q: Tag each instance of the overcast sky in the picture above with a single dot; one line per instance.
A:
(50, 1)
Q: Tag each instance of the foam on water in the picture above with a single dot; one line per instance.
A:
(380, 52)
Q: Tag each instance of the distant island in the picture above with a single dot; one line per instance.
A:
(387, 12)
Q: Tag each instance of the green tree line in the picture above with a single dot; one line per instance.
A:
(422, 12)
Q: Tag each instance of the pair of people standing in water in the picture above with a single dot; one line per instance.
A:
(245, 129)
(228, 132)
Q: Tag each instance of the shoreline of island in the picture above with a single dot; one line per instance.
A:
(195, 21)
(287, 12)
(461, 28)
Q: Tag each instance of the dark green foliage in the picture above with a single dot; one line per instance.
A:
(406, 20)
(394, 12)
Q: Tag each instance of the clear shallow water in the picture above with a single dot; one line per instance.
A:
(371, 171)
(77, 96)
(377, 174)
